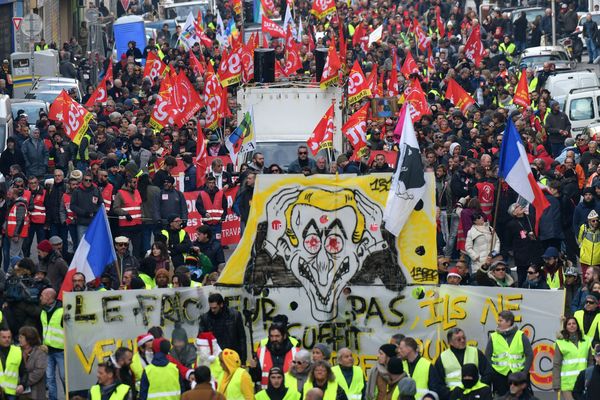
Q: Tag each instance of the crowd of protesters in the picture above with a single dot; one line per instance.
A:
(487, 236)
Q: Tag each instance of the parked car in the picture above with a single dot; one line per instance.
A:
(535, 57)
(47, 88)
(560, 83)
(582, 106)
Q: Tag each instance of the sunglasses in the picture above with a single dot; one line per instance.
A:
(531, 272)
(302, 152)
(593, 220)
(591, 302)
(87, 180)
(297, 362)
(19, 186)
(500, 269)
(122, 244)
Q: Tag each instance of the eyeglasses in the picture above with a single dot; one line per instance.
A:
(302, 153)
(500, 269)
(87, 180)
(297, 362)
(591, 302)
(593, 220)
(122, 244)
(531, 272)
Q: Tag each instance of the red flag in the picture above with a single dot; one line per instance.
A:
(201, 158)
(474, 49)
(74, 116)
(409, 66)
(392, 86)
(224, 111)
(272, 28)
(440, 24)
(342, 40)
(322, 136)
(212, 98)
(422, 39)
(195, 64)
(237, 6)
(162, 113)
(99, 95)
(186, 99)
(253, 42)
(230, 69)
(373, 83)
(355, 130)
(154, 67)
(521, 96)
(322, 8)
(293, 61)
(458, 96)
(268, 7)
(109, 72)
(357, 84)
(279, 72)
(331, 68)
(430, 62)
(247, 57)
(359, 33)
(415, 95)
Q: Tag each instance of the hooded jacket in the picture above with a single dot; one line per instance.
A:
(85, 203)
(230, 360)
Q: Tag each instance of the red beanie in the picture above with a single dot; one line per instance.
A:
(45, 246)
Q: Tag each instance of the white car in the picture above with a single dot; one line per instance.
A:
(535, 57)
(595, 18)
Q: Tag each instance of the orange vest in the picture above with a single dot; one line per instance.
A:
(70, 213)
(107, 196)
(213, 208)
(133, 205)
(38, 215)
(485, 195)
(266, 363)
(11, 219)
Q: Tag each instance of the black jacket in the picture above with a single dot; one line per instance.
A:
(9, 158)
(588, 387)
(53, 203)
(85, 203)
(228, 328)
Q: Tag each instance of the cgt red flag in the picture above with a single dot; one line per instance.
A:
(409, 66)
(331, 68)
(162, 113)
(99, 95)
(474, 49)
(268, 7)
(322, 8)
(357, 84)
(322, 136)
(195, 64)
(415, 95)
(201, 158)
(458, 96)
(355, 130)
(154, 67)
(393, 89)
(272, 28)
(293, 61)
(440, 24)
(74, 116)
(521, 96)
(230, 69)
(247, 56)
(186, 99)
(373, 83)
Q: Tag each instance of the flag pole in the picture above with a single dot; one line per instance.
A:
(498, 190)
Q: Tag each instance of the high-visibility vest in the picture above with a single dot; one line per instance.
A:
(11, 219)
(132, 203)
(589, 245)
(38, 215)
(163, 382)
(54, 334)
(591, 332)
(330, 391)
(9, 373)
(420, 375)
(119, 393)
(452, 368)
(71, 216)
(475, 387)
(137, 367)
(107, 196)
(485, 195)
(291, 381)
(291, 394)
(234, 388)
(505, 358)
(554, 282)
(395, 393)
(148, 281)
(266, 363)
(39, 47)
(86, 152)
(216, 371)
(214, 209)
(575, 359)
(182, 234)
(508, 50)
(354, 392)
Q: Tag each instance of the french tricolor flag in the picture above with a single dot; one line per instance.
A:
(515, 170)
(94, 253)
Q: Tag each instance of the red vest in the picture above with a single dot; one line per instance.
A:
(38, 215)
(11, 220)
(107, 196)
(266, 363)
(70, 213)
(213, 208)
(485, 195)
(132, 203)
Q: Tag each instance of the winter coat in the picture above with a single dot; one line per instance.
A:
(85, 203)
(172, 202)
(55, 268)
(35, 364)
(550, 222)
(478, 242)
(35, 154)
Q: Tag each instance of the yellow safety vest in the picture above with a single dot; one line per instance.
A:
(216, 371)
(475, 387)
(505, 358)
(119, 394)
(420, 375)
(354, 392)
(182, 234)
(291, 394)
(575, 360)
(395, 393)
(291, 381)
(54, 334)
(593, 328)
(234, 388)
(330, 392)
(137, 368)
(452, 367)
(9, 374)
(553, 281)
(148, 281)
(163, 382)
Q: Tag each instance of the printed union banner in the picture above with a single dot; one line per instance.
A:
(97, 323)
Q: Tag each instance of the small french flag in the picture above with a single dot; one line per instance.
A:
(94, 253)
(515, 170)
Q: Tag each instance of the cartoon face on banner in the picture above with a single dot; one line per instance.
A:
(324, 235)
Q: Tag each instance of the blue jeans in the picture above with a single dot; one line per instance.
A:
(74, 237)
(592, 50)
(55, 360)
(147, 231)
(520, 45)
(81, 229)
(557, 148)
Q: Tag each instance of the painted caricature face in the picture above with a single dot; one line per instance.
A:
(324, 237)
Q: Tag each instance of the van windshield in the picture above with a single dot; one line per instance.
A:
(581, 109)
(180, 13)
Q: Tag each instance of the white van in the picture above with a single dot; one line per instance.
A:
(6, 121)
(560, 83)
(582, 106)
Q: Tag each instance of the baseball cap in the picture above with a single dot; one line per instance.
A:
(550, 252)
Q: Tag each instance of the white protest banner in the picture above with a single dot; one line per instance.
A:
(97, 323)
